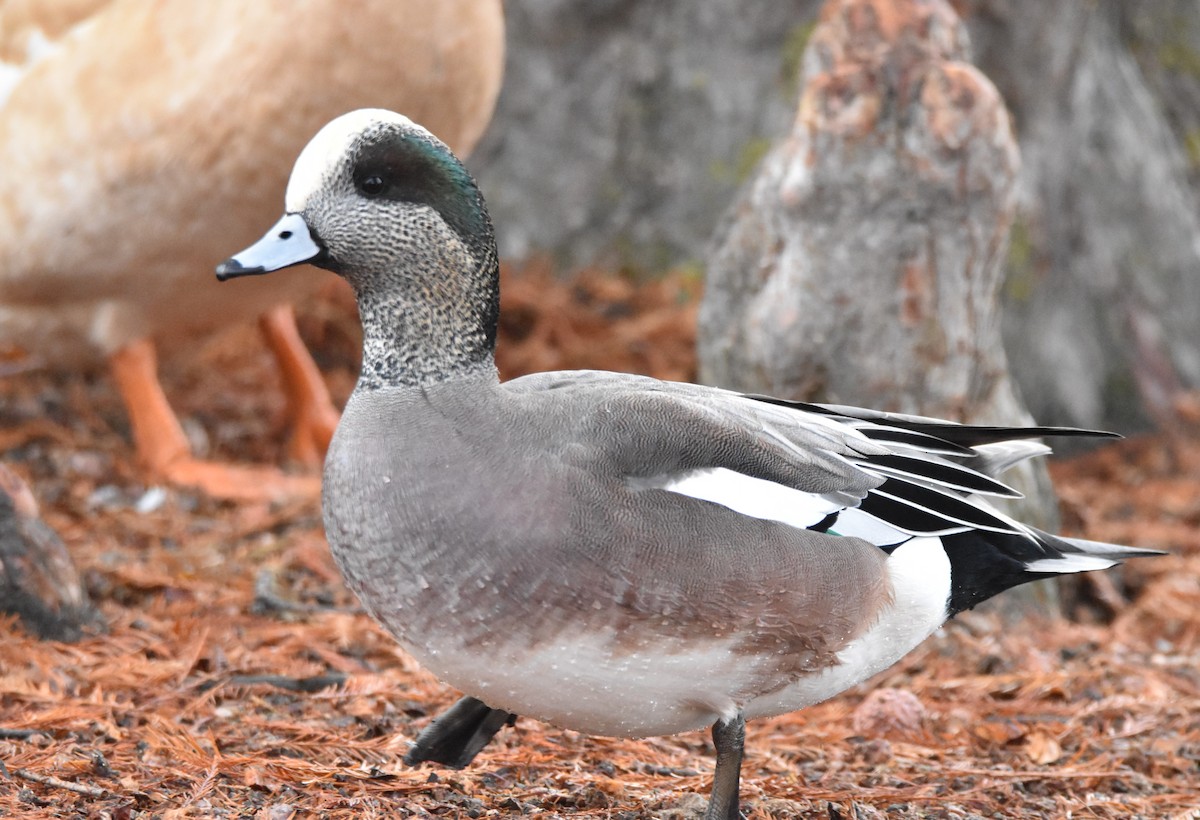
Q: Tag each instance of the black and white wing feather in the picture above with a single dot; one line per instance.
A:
(845, 471)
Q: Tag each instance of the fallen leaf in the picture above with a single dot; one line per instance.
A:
(1042, 748)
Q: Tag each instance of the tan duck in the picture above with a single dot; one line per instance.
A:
(138, 139)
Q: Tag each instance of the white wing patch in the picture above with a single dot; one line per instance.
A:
(755, 497)
(856, 523)
(770, 501)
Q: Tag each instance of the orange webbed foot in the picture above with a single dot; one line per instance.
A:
(234, 482)
(163, 449)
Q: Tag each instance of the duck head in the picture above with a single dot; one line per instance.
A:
(380, 201)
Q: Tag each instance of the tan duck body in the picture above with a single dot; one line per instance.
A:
(139, 138)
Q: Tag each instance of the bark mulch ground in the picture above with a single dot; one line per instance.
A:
(238, 678)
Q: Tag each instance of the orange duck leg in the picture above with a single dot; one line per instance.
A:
(311, 413)
(163, 450)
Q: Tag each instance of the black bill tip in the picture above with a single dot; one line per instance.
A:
(231, 269)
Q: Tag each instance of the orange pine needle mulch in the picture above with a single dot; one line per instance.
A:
(239, 678)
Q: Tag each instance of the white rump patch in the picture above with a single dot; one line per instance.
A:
(326, 150)
(919, 572)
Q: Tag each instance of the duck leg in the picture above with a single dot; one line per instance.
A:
(157, 434)
(163, 449)
(313, 417)
(729, 738)
(458, 734)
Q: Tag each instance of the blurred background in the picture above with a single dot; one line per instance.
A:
(625, 129)
(980, 209)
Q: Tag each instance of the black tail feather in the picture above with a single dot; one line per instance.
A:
(962, 435)
(983, 564)
(458, 734)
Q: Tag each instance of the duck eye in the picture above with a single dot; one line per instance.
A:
(372, 185)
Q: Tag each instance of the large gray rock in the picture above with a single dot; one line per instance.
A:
(624, 128)
(862, 264)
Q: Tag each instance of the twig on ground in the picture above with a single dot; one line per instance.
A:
(314, 683)
(59, 783)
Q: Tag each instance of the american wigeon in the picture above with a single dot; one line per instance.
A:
(606, 552)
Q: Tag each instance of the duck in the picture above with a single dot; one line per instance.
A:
(122, 132)
(608, 552)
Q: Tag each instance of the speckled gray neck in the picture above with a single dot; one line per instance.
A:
(408, 343)
(432, 320)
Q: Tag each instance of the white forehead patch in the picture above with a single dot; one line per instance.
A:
(326, 150)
